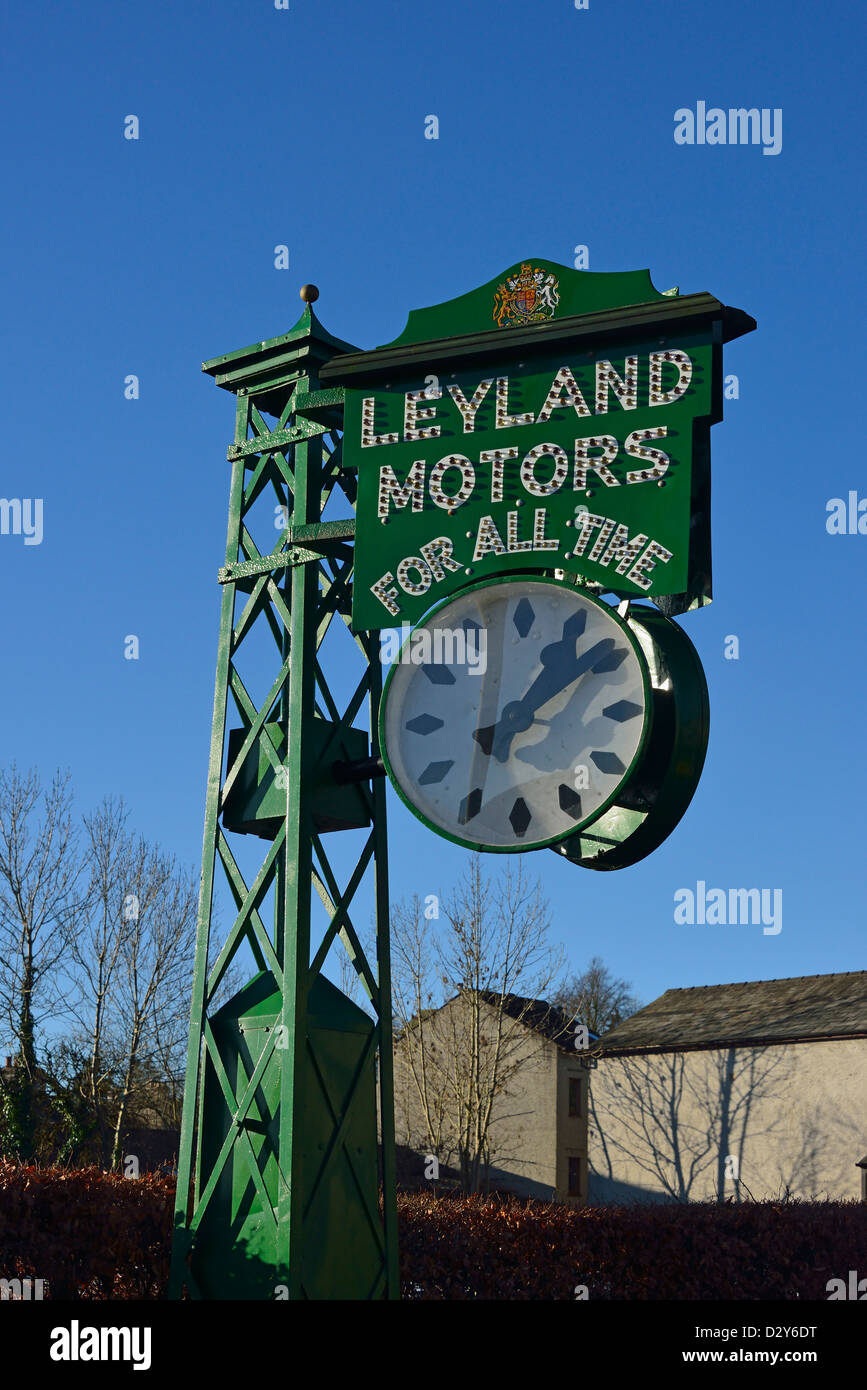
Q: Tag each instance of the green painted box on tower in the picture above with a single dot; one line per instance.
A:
(255, 804)
(234, 1253)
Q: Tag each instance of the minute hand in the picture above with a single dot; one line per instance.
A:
(561, 667)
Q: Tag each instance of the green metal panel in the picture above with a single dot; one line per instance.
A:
(508, 301)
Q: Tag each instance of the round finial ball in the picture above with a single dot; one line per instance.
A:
(309, 293)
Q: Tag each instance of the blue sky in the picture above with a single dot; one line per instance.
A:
(305, 127)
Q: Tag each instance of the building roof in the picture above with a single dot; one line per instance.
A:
(805, 1008)
(538, 1014)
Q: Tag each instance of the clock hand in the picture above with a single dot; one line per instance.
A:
(560, 668)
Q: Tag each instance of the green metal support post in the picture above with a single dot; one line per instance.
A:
(278, 1174)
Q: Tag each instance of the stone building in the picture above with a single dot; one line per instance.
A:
(732, 1092)
(538, 1129)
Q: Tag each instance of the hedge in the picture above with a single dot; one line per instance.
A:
(470, 1247)
(90, 1234)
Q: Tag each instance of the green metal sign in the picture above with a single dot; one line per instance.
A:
(550, 420)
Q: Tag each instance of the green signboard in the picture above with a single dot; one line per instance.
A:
(551, 420)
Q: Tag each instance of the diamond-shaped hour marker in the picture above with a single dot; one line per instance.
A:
(424, 724)
(470, 806)
(621, 711)
(608, 762)
(472, 638)
(612, 661)
(435, 772)
(485, 738)
(438, 674)
(520, 816)
(524, 617)
(570, 801)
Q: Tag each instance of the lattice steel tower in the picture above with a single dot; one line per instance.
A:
(278, 1181)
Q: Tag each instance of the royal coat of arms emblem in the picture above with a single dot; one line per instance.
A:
(529, 297)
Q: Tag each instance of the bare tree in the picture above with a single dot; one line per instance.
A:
(98, 927)
(416, 987)
(40, 872)
(150, 991)
(96, 955)
(492, 962)
(596, 998)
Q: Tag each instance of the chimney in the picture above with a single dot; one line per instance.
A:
(8, 1063)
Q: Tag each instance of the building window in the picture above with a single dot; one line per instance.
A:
(574, 1177)
(574, 1095)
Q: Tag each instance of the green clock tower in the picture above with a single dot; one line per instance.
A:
(520, 483)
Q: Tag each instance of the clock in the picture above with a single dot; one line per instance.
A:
(514, 713)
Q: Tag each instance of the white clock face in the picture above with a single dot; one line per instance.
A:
(514, 714)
